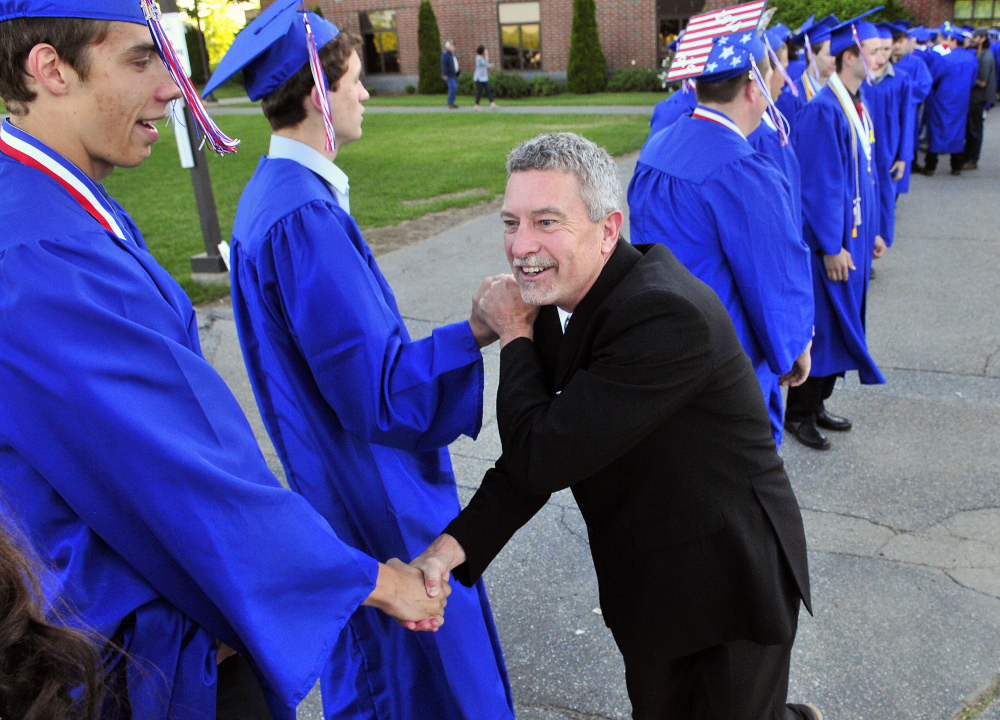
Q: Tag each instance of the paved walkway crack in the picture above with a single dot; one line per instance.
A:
(567, 712)
(989, 358)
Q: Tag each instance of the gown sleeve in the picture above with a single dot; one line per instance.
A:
(120, 413)
(385, 389)
(767, 256)
(823, 159)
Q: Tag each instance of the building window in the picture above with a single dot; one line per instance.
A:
(378, 28)
(977, 12)
(520, 35)
(670, 28)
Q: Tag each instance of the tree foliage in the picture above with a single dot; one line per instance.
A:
(795, 12)
(429, 44)
(587, 71)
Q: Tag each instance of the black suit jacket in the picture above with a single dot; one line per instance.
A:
(650, 411)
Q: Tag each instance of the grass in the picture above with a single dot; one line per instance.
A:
(564, 99)
(402, 157)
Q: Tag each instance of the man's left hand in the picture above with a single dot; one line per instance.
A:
(504, 310)
(897, 170)
(800, 369)
(880, 248)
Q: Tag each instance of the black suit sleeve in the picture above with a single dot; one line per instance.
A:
(649, 360)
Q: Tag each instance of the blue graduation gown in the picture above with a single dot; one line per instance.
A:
(954, 73)
(665, 112)
(920, 80)
(828, 186)
(136, 475)
(888, 101)
(360, 416)
(766, 141)
(727, 216)
(796, 68)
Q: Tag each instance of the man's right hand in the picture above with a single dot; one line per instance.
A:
(400, 593)
(505, 311)
(477, 321)
(437, 561)
(837, 266)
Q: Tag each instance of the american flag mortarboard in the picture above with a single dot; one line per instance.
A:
(695, 44)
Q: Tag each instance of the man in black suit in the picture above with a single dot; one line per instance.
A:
(621, 377)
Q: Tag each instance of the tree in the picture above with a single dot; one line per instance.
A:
(794, 12)
(587, 71)
(429, 43)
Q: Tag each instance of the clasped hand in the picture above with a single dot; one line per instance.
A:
(499, 312)
(400, 592)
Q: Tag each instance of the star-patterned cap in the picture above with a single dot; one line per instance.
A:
(732, 55)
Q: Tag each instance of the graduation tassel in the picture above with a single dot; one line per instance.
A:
(811, 57)
(319, 79)
(779, 67)
(207, 129)
(779, 120)
(864, 58)
(687, 86)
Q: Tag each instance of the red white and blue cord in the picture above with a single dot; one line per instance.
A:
(319, 78)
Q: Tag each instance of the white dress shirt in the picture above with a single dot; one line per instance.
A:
(563, 318)
(287, 149)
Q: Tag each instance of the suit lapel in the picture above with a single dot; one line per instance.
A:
(621, 262)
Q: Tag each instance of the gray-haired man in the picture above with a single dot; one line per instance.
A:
(621, 377)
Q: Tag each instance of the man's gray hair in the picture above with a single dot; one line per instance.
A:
(600, 186)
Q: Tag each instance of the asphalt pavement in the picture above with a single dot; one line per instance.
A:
(902, 515)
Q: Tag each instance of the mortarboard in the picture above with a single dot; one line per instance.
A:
(816, 33)
(273, 47)
(777, 35)
(852, 32)
(120, 10)
(732, 55)
(885, 30)
(950, 31)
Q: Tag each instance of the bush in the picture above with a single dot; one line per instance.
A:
(410, 89)
(429, 43)
(794, 12)
(509, 85)
(466, 86)
(544, 86)
(635, 80)
(587, 70)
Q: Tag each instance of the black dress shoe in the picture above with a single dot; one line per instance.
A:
(832, 422)
(808, 434)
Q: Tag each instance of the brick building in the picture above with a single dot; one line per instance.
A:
(533, 37)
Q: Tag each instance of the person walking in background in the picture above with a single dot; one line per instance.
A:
(482, 76)
(954, 76)
(449, 71)
(982, 95)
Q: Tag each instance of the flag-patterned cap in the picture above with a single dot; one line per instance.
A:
(696, 44)
(732, 55)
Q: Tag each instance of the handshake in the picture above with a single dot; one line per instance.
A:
(415, 595)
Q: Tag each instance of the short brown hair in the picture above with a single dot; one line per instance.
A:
(853, 49)
(726, 91)
(284, 107)
(71, 38)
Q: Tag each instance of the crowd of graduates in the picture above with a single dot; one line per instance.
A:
(787, 234)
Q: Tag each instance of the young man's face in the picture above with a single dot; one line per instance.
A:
(346, 103)
(880, 58)
(873, 53)
(826, 63)
(554, 248)
(900, 48)
(127, 90)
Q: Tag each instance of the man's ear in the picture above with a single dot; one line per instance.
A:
(48, 72)
(612, 230)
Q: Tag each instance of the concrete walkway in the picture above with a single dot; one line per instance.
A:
(902, 515)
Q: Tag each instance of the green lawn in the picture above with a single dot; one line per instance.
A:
(596, 99)
(402, 157)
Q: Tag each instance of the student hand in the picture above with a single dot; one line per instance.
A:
(437, 561)
(880, 248)
(800, 369)
(505, 311)
(477, 321)
(399, 593)
(837, 266)
(897, 170)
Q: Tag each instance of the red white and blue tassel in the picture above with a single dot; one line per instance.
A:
(319, 79)
(778, 67)
(687, 86)
(779, 120)
(207, 129)
(869, 76)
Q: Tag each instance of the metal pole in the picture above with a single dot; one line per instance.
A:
(210, 261)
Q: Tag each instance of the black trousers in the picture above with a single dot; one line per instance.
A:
(807, 399)
(957, 161)
(974, 130)
(482, 87)
(738, 680)
(239, 696)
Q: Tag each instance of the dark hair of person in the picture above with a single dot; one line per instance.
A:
(721, 93)
(793, 50)
(852, 49)
(816, 47)
(898, 35)
(71, 38)
(480, 50)
(47, 671)
(284, 107)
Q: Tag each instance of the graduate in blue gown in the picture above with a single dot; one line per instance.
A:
(920, 81)
(841, 209)
(124, 457)
(954, 73)
(680, 103)
(888, 103)
(360, 414)
(726, 212)
(810, 77)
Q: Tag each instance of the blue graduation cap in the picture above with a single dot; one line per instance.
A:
(818, 32)
(732, 55)
(842, 36)
(809, 21)
(271, 49)
(885, 30)
(950, 31)
(120, 10)
(777, 35)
